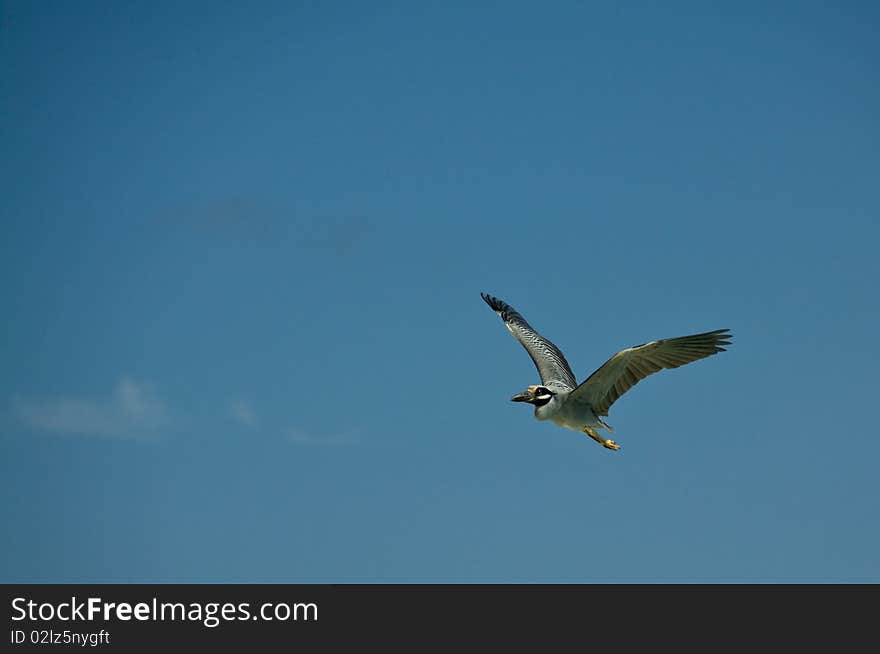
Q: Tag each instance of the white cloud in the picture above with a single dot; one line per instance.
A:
(243, 411)
(131, 412)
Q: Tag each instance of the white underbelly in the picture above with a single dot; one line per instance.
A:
(577, 421)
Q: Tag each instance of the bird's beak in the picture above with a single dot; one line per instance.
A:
(522, 397)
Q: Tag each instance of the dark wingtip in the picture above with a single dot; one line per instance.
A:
(494, 303)
(724, 337)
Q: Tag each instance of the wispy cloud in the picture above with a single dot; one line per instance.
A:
(250, 218)
(244, 413)
(302, 437)
(132, 411)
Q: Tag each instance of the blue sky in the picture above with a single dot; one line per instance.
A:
(242, 251)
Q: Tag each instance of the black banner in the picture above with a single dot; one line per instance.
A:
(176, 617)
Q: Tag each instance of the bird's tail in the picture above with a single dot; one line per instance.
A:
(605, 424)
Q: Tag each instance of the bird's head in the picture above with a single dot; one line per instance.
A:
(537, 395)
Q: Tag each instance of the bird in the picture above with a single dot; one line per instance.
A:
(560, 399)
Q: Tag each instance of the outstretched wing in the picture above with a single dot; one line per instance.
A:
(549, 361)
(628, 367)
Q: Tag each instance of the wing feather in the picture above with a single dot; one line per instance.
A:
(628, 367)
(549, 361)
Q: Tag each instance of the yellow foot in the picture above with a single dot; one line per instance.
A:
(604, 442)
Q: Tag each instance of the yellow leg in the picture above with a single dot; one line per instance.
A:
(604, 442)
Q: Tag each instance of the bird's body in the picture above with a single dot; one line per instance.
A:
(574, 415)
(560, 399)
